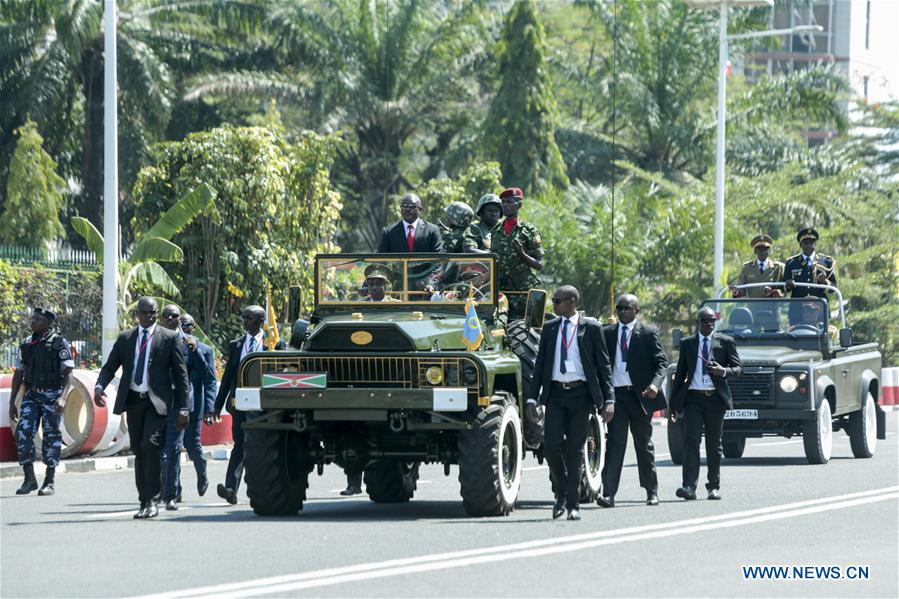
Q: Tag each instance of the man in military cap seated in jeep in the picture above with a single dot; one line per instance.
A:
(378, 282)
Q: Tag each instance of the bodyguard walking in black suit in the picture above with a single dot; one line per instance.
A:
(153, 382)
(571, 376)
(700, 396)
(639, 365)
(251, 341)
(412, 234)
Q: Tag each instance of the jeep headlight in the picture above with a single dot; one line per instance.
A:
(788, 384)
(434, 375)
(469, 375)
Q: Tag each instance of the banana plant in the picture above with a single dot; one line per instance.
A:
(143, 262)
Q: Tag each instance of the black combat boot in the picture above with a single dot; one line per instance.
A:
(47, 487)
(30, 483)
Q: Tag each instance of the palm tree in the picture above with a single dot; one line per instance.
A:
(391, 72)
(142, 265)
(52, 73)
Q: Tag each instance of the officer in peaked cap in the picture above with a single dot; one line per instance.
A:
(43, 364)
(761, 269)
(809, 266)
(378, 279)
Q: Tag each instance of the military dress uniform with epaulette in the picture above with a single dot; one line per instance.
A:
(771, 271)
(515, 277)
(805, 269)
(42, 362)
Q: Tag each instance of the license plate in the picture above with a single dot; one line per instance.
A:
(741, 415)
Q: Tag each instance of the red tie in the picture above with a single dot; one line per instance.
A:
(410, 238)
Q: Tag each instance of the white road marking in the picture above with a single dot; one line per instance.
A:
(529, 468)
(540, 547)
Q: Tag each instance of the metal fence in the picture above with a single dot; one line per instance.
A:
(56, 255)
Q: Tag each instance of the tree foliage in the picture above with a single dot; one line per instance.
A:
(274, 210)
(520, 127)
(34, 194)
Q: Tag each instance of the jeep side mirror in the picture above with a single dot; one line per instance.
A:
(294, 303)
(676, 336)
(846, 337)
(535, 309)
(299, 333)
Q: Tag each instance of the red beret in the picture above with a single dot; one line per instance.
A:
(512, 192)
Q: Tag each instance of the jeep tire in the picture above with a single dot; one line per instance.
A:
(490, 457)
(391, 481)
(524, 343)
(862, 428)
(277, 476)
(591, 468)
(817, 435)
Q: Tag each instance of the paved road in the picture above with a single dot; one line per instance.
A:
(777, 510)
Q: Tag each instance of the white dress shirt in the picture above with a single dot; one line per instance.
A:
(762, 266)
(620, 376)
(246, 343)
(700, 381)
(144, 387)
(574, 368)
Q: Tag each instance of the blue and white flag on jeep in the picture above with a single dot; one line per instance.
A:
(471, 332)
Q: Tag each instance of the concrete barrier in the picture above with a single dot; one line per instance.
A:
(889, 382)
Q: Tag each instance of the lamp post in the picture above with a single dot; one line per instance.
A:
(110, 181)
(722, 6)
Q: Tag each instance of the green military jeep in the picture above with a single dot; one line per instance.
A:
(801, 376)
(381, 380)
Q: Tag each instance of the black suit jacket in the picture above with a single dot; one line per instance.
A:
(646, 361)
(724, 351)
(228, 385)
(166, 370)
(427, 239)
(594, 357)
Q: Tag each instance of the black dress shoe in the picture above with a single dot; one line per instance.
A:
(226, 494)
(171, 505)
(27, 487)
(574, 514)
(351, 490)
(559, 508)
(652, 499)
(603, 501)
(141, 513)
(715, 495)
(686, 493)
(202, 485)
(152, 510)
(47, 489)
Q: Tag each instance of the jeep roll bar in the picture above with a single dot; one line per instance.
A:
(828, 288)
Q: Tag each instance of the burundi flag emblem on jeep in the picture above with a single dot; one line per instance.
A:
(316, 380)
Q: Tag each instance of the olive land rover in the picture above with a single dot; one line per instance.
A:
(802, 376)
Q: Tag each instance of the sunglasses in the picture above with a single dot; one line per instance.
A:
(708, 320)
(171, 315)
(557, 300)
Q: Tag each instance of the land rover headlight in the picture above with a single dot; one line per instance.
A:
(788, 384)
(469, 375)
(434, 375)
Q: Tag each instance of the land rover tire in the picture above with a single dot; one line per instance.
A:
(733, 446)
(391, 481)
(862, 428)
(591, 469)
(817, 435)
(277, 476)
(490, 455)
(524, 342)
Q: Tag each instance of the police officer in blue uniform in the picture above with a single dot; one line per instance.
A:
(43, 364)
(809, 266)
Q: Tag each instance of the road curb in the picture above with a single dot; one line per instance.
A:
(110, 464)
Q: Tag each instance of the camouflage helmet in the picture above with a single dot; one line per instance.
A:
(458, 214)
(490, 198)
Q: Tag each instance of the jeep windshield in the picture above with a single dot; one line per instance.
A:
(771, 318)
(372, 280)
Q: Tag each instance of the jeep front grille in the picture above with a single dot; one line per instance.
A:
(380, 372)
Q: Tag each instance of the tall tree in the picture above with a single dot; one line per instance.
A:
(34, 194)
(397, 74)
(52, 58)
(520, 128)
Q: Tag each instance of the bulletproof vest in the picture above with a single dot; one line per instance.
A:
(42, 362)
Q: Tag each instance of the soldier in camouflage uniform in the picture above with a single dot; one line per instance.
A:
(477, 237)
(44, 363)
(457, 218)
(519, 250)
